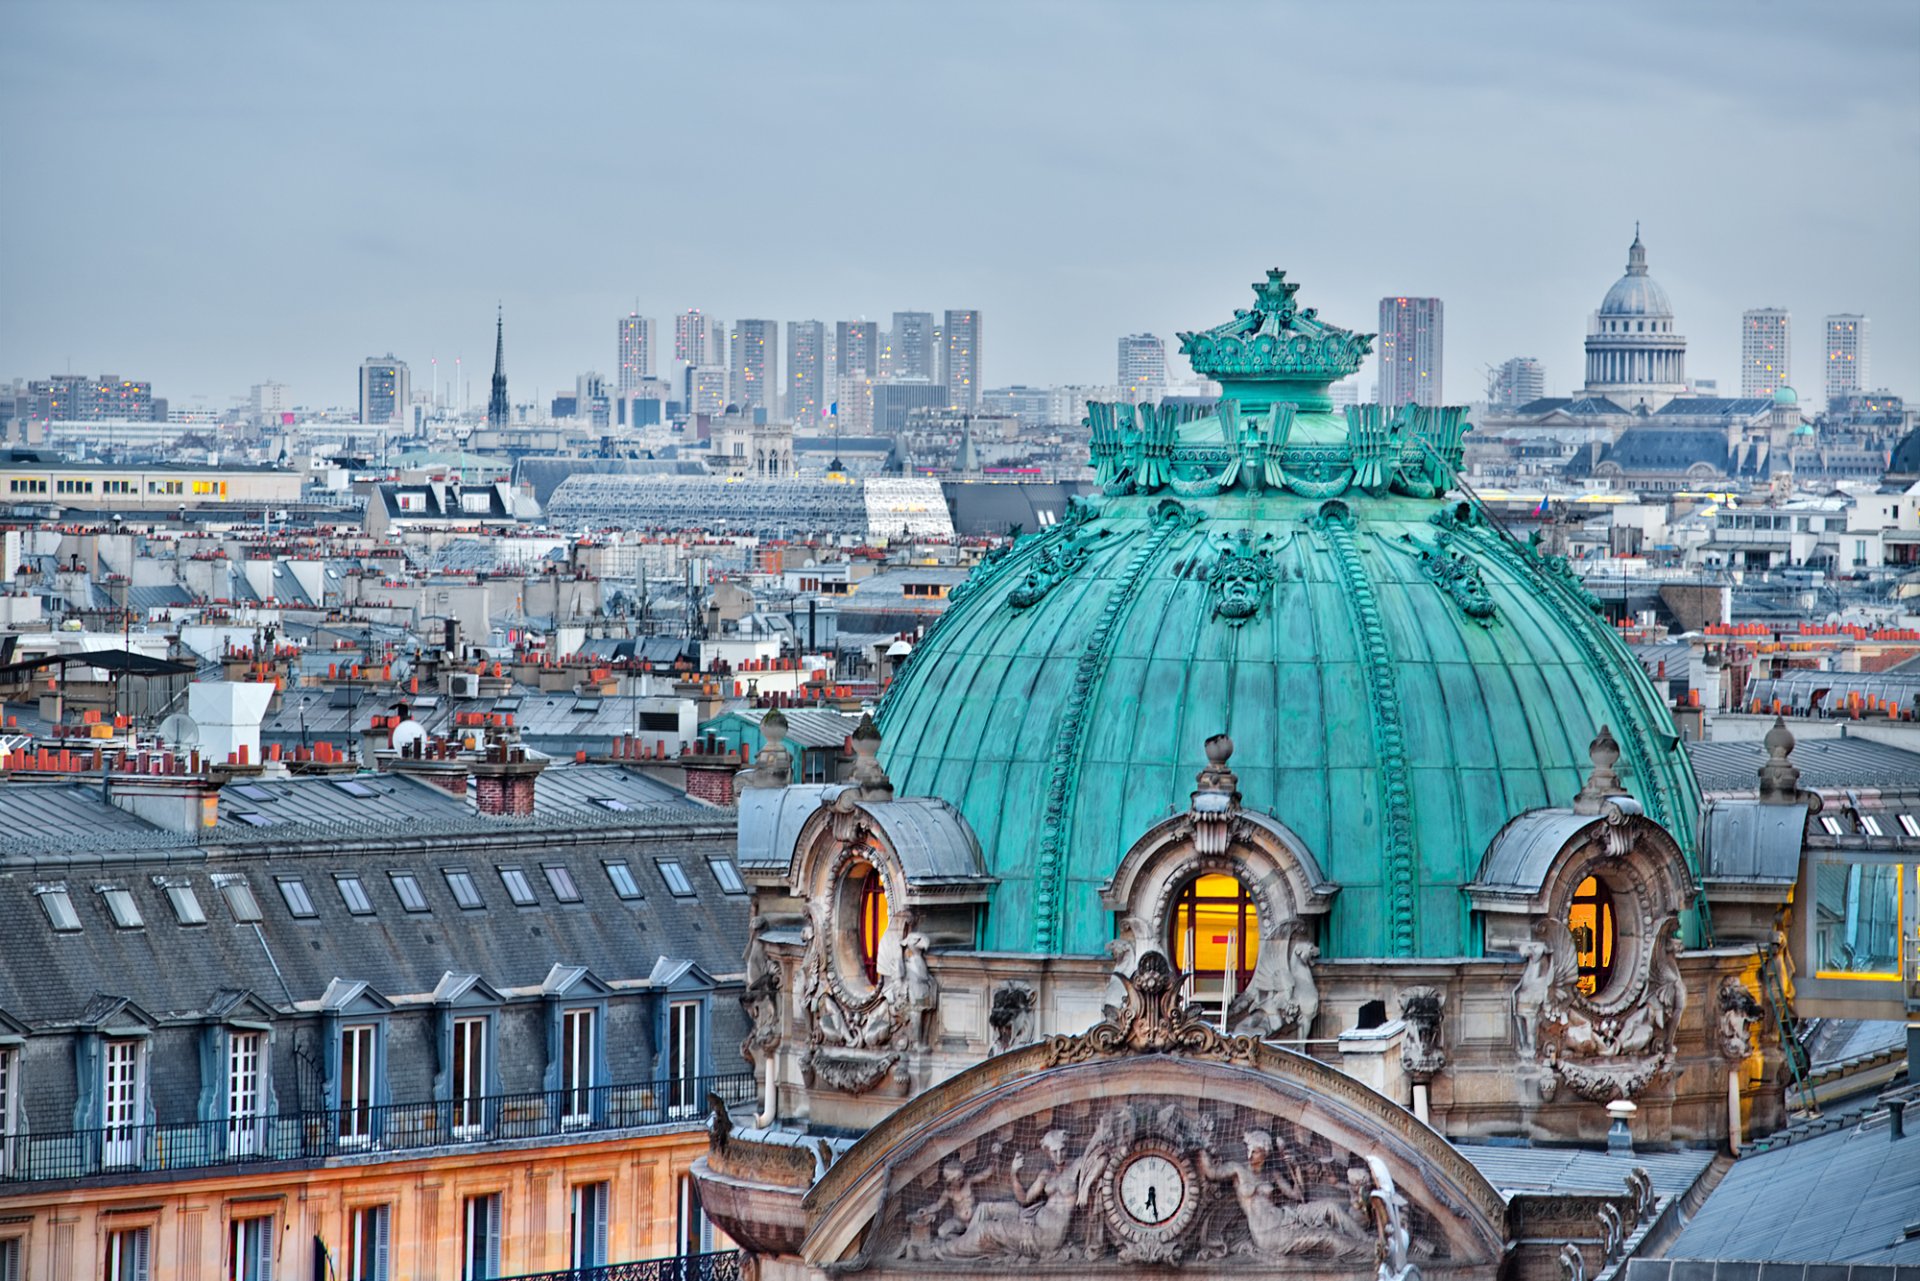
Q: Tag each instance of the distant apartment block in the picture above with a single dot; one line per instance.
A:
(856, 348)
(755, 366)
(636, 351)
(962, 363)
(1846, 356)
(1766, 350)
(384, 391)
(1519, 381)
(910, 346)
(1409, 347)
(806, 370)
(1142, 367)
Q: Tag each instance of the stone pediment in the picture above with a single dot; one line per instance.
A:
(1149, 1142)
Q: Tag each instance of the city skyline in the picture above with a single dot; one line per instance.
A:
(257, 283)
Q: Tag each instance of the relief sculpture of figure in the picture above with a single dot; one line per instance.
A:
(922, 989)
(1035, 1224)
(1547, 983)
(1282, 993)
(1652, 1026)
(1280, 1218)
(956, 1199)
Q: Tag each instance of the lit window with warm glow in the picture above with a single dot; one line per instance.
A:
(1215, 937)
(871, 896)
(1592, 923)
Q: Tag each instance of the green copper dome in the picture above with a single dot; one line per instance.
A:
(1399, 677)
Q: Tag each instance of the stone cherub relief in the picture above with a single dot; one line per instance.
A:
(1281, 996)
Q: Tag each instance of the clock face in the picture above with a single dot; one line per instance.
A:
(1152, 1189)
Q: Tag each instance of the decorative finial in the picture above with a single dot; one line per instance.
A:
(1779, 779)
(774, 768)
(1216, 798)
(870, 781)
(1603, 782)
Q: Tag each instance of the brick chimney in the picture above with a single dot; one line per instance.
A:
(710, 768)
(504, 780)
(431, 760)
(165, 793)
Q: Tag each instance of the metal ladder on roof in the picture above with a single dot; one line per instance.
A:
(1785, 1024)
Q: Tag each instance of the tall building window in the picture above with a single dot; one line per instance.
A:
(123, 1097)
(480, 1238)
(692, 1233)
(588, 1226)
(246, 1090)
(576, 1066)
(250, 1252)
(357, 1044)
(1215, 938)
(469, 1074)
(127, 1254)
(683, 1057)
(1591, 921)
(367, 1229)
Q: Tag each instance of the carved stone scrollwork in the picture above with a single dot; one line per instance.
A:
(1153, 1019)
(1282, 996)
(1603, 1053)
(1423, 1053)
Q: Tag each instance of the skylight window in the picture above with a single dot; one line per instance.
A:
(676, 878)
(408, 888)
(1832, 825)
(517, 887)
(465, 892)
(562, 881)
(728, 875)
(254, 792)
(353, 787)
(623, 883)
(613, 803)
(354, 894)
(186, 904)
(60, 913)
(240, 900)
(253, 818)
(1909, 826)
(294, 890)
(121, 907)
(1871, 825)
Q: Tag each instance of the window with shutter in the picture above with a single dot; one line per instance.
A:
(250, 1252)
(367, 1243)
(480, 1246)
(589, 1225)
(10, 1249)
(127, 1251)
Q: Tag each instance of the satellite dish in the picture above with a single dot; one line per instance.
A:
(407, 733)
(181, 730)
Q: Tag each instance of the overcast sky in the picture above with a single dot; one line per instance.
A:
(211, 195)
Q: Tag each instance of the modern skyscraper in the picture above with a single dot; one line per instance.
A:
(1516, 382)
(756, 360)
(1410, 351)
(856, 346)
(690, 337)
(498, 410)
(1143, 367)
(1846, 356)
(806, 371)
(636, 351)
(962, 363)
(911, 344)
(384, 391)
(1766, 350)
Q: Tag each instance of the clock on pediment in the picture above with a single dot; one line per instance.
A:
(1150, 1196)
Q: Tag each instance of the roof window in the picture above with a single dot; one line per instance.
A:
(253, 818)
(562, 881)
(239, 895)
(465, 892)
(1870, 825)
(186, 904)
(353, 787)
(1832, 825)
(728, 875)
(254, 792)
(354, 894)
(1909, 826)
(613, 803)
(408, 888)
(60, 913)
(121, 907)
(623, 883)
(676, 878)
(517, 887)
(294, 890)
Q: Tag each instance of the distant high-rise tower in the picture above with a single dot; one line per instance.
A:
(384, 391)
(962, 363)
(911, 344)
(1410, 351)
(1516, 382)
(1766, 350)
(806, 371)
(1846, 356)
(636, 352)
(1143, 367)
(756, 360)
(498, 411)
(690, 337)
(856, 347)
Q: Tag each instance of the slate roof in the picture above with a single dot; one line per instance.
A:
(1715, 407)
(1514, 1169)
(982, 509)
(1841, 1197)
(1822, 762)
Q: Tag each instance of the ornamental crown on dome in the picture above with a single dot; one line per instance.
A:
(1276, 339)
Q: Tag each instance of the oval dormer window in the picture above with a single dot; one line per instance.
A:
(1596, 934)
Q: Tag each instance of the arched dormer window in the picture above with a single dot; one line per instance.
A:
(1596, 933)
(869, 894)
(1213, 937)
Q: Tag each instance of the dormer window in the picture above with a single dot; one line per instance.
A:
(1595, 929)
(1215, 937)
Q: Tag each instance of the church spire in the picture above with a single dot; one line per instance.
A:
(497, 412)
(1636, 254)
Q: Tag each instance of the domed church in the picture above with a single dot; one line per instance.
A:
(1233, 866)
(1634, 358)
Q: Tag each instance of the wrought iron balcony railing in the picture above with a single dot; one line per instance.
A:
(367, 1128)
(719, 1266)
